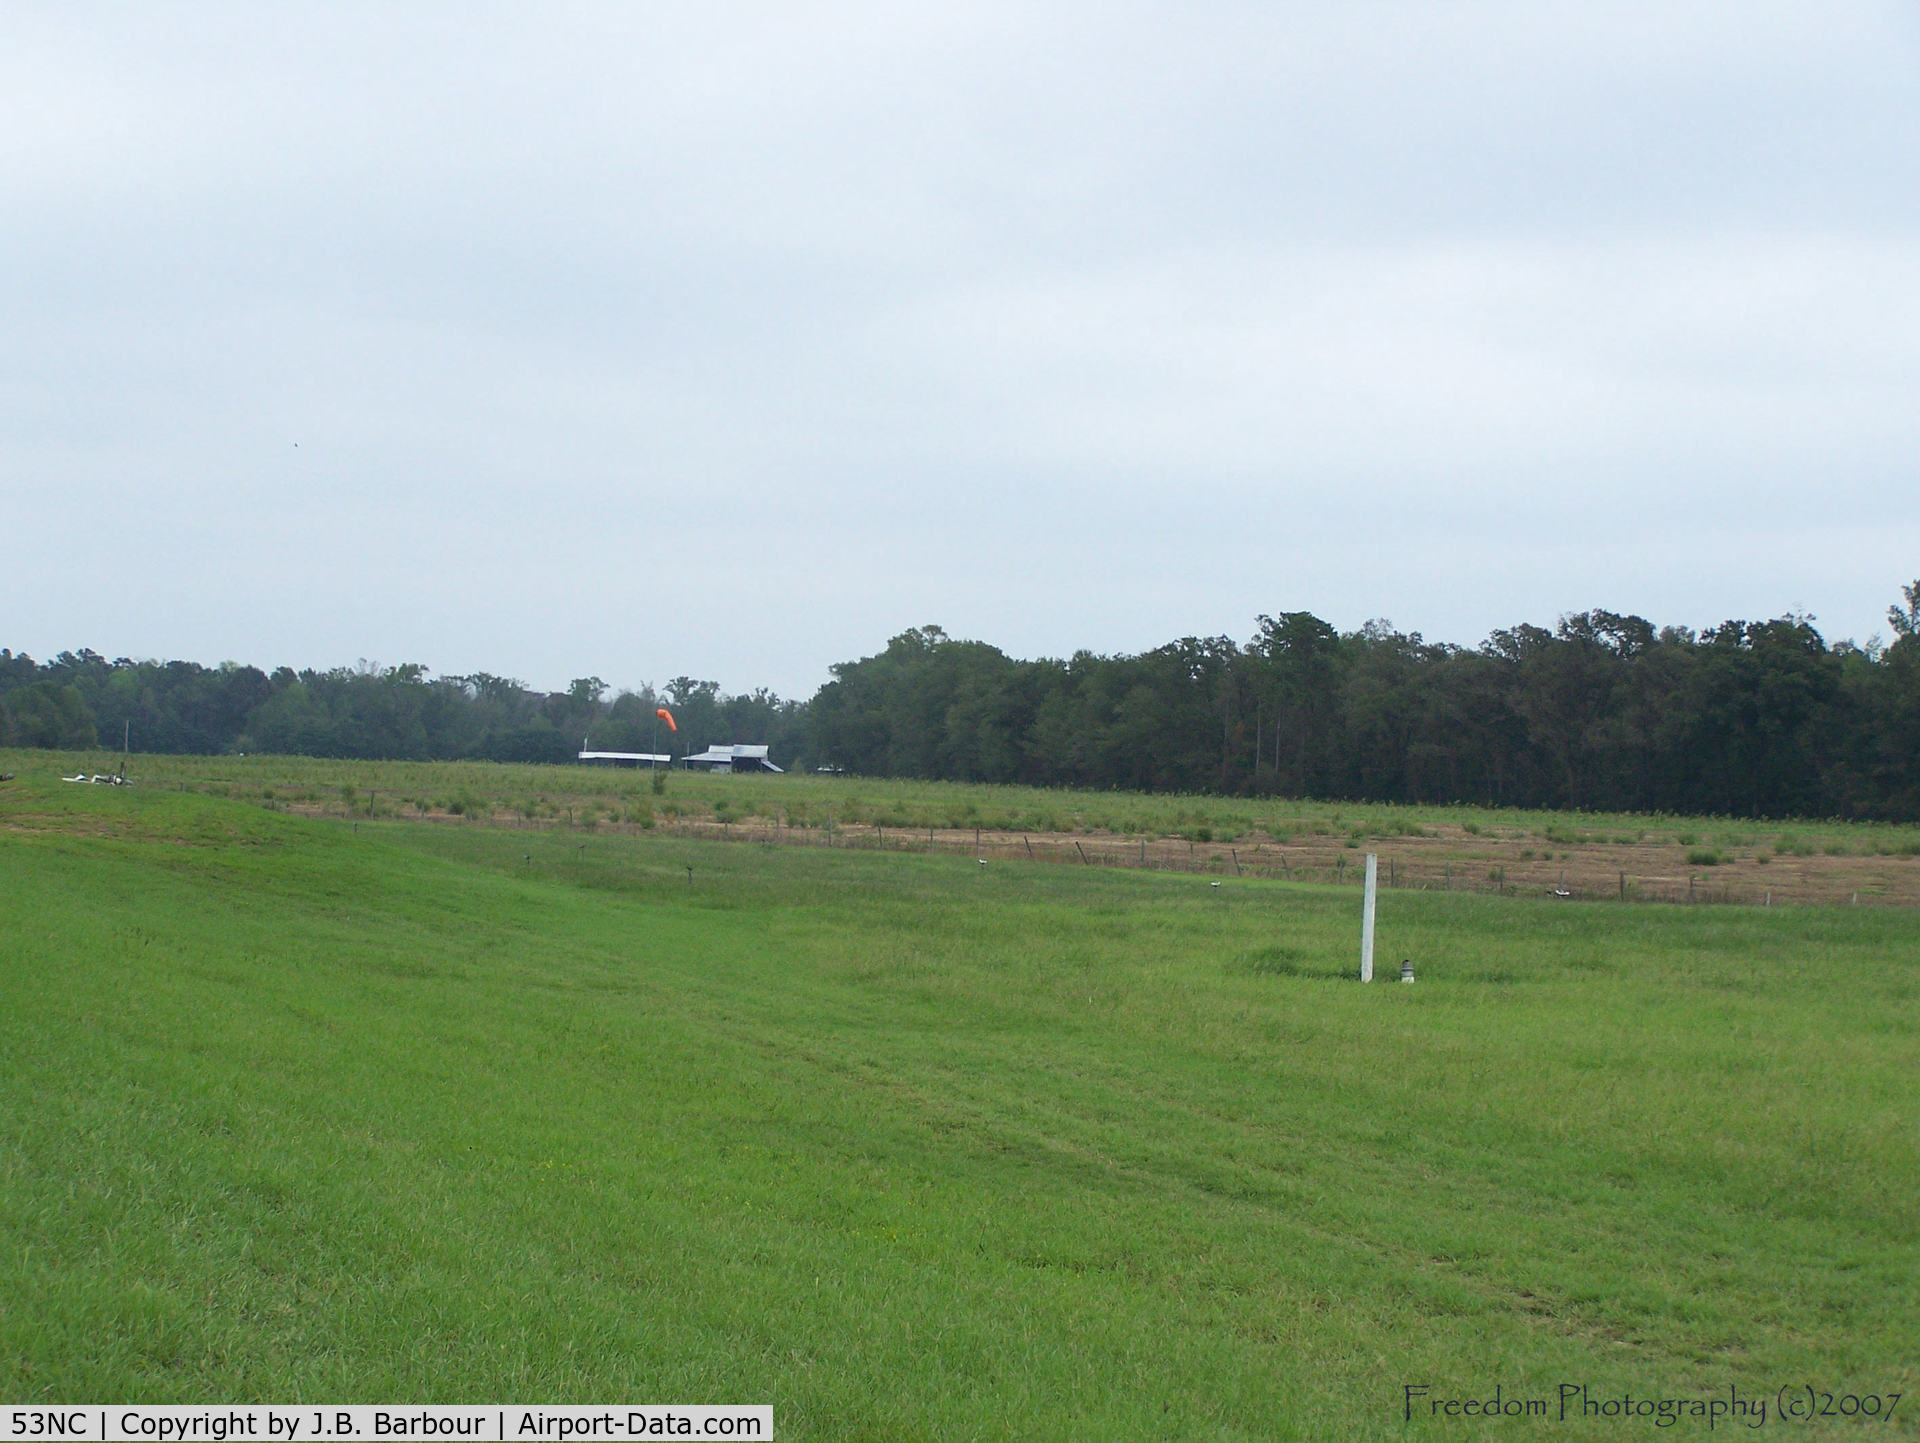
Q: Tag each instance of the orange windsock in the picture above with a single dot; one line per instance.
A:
(667, 717)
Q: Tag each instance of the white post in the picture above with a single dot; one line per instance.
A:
(1366, 919)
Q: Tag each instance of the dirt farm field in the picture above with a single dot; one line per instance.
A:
(1633, 871)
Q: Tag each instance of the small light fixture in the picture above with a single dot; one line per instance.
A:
(1406, 970)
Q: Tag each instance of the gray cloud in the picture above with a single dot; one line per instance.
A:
(731, 343)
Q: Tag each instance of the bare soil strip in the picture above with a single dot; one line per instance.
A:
(1449, 859)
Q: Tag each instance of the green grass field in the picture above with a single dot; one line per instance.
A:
(574, 795)
(304, 1109)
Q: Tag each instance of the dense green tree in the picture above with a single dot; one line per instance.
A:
(46, 714)
(1601, 711)
(1905, 619)
(1299, 664)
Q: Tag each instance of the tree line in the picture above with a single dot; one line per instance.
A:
(80, 699)
(1601, 712)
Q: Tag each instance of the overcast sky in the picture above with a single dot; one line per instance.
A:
(728, 340)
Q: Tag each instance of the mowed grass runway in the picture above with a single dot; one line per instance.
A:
(914, 1148)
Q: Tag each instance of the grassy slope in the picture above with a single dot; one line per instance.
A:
(910, 1147)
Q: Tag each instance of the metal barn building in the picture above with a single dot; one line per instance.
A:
(732, 759)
